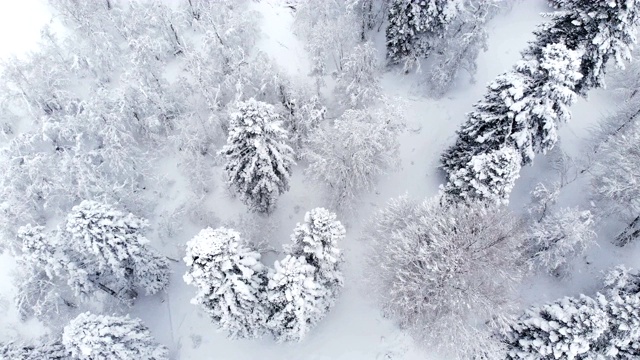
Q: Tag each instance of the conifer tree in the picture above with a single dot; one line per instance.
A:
(102, 337)
(297, 300)
(316, 241)
(259, 161)
(231, 281)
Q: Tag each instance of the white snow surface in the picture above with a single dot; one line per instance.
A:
(354, 328)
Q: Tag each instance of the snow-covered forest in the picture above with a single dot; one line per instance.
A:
(320, 179)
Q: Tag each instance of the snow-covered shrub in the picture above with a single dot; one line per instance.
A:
(316, 241)
(414, 25)
(558, 237)
(444, 269)
(231, 281)
(258, 161)
(297, 301)
(41, 350)
(521, 111)
(110, 243)
(102, 337)
(350, 156)
(570, 328)
(357, 83)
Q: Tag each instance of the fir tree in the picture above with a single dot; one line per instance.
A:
(231, 281)
(101, 337)
(111, 246)
(259, 162)
(316, 241)
(413, 25)
(522, 110)
(566, 329)
(297, 301)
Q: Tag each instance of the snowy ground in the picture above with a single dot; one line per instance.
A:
(354, 329)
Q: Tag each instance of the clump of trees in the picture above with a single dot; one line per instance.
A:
(247, 299)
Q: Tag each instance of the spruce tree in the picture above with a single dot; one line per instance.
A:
(102, 337)
(259, 161)
(316, 241)
(231, 281)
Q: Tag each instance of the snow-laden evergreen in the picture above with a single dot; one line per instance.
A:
(524, 108)
(113, 248)
(316, 241)
(414, 25)
(296, 299)
(569, 328)
(103, 337)
(41, 350)
(521, 111)
(231, 281)
(258, 160)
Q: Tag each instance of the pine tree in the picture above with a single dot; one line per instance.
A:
(297, 301)
(231, 281)
(522, 110)
(601, 29)
(413, 25)
(111, 246)
(259, 162)
(42, 350)
(316, 241)
(569, 328)
(102, 337)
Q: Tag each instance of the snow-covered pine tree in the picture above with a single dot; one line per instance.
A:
(622, 281)
(357, 83)
(570, 328)
(110, 246)
(259, 161)
(349, 157)
(488, 176)
(102, 337)
(601, 29)
(522, 110)
(316, 241)
(458, 49)
(297, 301)
(442, 269)
(623, 338)
(231, 281)
(559, 237)
(414, 25)
(42, 350)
